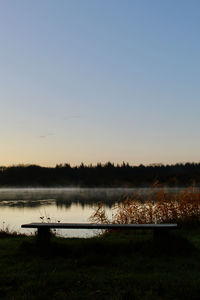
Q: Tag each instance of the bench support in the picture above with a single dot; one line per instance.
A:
(44, 235)
(159, 234)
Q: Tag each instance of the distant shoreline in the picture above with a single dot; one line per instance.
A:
(100, 176)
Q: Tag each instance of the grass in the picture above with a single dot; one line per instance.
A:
(117, 265)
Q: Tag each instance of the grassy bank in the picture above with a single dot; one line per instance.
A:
(113, 266)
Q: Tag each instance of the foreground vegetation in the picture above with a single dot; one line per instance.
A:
(115, 265)
(159, 206)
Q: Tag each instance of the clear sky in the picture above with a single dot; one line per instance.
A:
(95, 81)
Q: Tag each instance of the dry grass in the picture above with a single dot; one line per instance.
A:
(159, 206)
(7, 232)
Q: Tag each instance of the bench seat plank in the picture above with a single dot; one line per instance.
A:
(98, 226)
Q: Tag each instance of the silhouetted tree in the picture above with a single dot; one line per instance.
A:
(101, 175)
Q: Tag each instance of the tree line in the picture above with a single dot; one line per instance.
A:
(100, 175)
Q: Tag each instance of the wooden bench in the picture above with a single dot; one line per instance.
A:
(44, 228)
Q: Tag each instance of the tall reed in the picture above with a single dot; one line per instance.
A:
(159, 206)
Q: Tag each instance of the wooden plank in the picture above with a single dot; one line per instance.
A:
(99, 226)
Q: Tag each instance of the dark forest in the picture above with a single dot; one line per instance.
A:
(107, 175)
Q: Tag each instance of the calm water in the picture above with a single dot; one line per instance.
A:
(19, 206)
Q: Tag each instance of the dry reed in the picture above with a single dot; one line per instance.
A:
(159, 206)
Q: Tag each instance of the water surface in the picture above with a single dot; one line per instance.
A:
(74, 205)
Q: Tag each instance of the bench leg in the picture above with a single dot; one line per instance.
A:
(159, 234)
(43, 237)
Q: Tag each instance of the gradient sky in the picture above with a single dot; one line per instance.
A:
(95, 81)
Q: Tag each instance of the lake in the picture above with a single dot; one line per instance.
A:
(71, 205)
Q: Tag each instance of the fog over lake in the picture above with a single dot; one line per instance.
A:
(73, 205)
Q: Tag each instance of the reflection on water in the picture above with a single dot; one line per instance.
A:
(18, 206)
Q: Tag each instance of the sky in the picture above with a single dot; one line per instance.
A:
(96, 81)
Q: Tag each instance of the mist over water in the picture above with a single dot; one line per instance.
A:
(73, 205)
